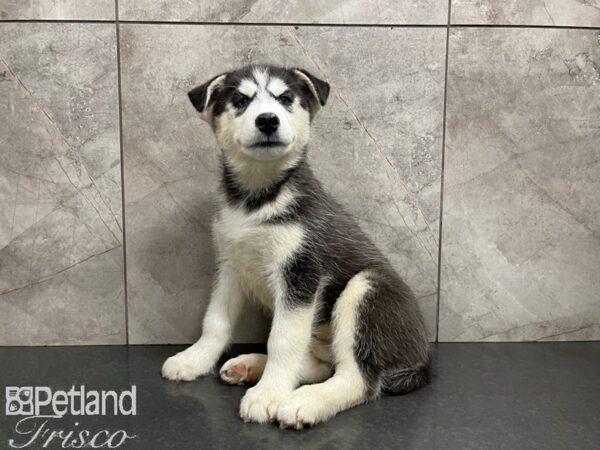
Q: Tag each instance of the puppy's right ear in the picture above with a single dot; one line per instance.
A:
(203, 96)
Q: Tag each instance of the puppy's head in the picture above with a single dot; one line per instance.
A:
(263, 112)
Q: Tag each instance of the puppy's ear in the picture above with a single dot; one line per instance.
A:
(317, 87)
(203, 95)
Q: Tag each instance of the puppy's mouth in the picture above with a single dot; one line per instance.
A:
(266, 144)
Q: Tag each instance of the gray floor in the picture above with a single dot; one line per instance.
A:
(511, 396)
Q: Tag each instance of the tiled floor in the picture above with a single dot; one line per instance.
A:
(483, 396)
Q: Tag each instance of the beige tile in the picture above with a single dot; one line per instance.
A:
(57, 9)
(521, 225)
(381, 127)
(61, 265)
(289, 11)
(527, 12)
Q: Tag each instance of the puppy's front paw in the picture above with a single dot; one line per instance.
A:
(184, 367)
(303, 407)
(260, 404)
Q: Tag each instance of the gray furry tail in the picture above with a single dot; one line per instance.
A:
(405, 380)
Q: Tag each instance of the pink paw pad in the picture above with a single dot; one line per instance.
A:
(240, 373)
(237, 371)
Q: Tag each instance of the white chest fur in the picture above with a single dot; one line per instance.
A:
(257, 251)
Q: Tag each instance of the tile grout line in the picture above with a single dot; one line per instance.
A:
(517, 25)
(312, 25)
(120, 102)
(439, 268)
(216, 23)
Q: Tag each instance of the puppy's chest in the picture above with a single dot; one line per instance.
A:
(256, 250)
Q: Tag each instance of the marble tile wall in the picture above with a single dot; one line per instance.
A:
(520, 247)
(521, 227)
(286, 11)
(61, 256)
(581, 13)
(171, 161)
(57, 9)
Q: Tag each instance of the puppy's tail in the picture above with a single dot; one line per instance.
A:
(405, 380)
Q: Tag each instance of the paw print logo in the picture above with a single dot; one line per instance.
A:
(13, 407)
(19, 401)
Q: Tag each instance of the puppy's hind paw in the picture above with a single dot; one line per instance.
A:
(243, 369)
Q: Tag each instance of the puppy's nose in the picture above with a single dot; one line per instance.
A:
(267, 123)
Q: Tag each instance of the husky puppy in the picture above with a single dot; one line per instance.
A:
(345, 326)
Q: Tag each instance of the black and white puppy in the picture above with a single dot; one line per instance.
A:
(345, 326)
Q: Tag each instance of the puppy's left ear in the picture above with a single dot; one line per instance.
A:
(203, 96)
(318, 88)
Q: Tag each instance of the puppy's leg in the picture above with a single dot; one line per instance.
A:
(287, 348)
(346, 388)
(225, 304)
(314, 370)
(249, 369)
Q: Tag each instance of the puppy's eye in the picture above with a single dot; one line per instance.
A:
(241, 100)
(285, 99)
